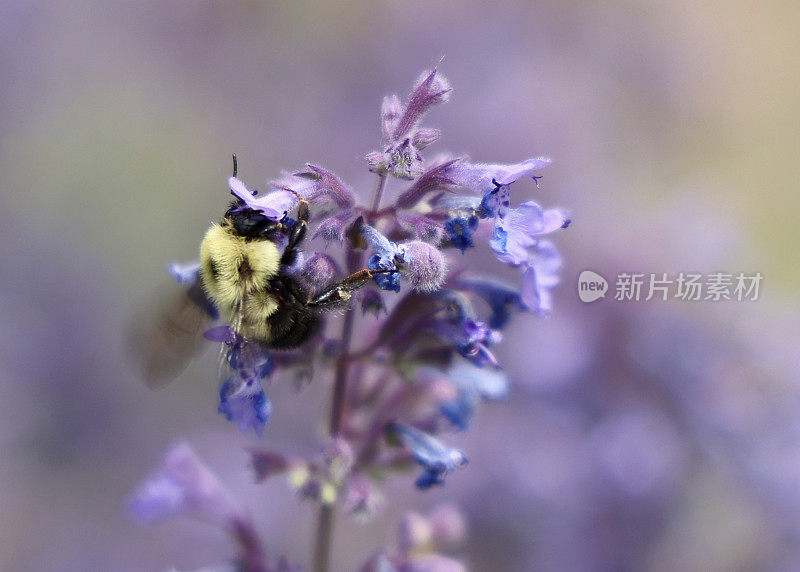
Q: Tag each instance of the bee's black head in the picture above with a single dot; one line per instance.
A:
(250, 223)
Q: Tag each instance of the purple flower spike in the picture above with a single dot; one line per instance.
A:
(401, 136)
(429, 90)
(273, 205)
(539, 275)
(435, 458)
(183, 485)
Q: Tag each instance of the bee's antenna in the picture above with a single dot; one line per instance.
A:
(235, 166)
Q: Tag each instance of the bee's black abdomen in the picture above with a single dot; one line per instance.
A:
(293, 323)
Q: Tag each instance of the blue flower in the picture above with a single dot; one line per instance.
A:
(460, 230)
(472, 384)
(501, 299)
(387, 255)
(241, 396)
(474, 340)
(460, 327)
(436, 459)
(390, 281)
(522, 229)
(242, 399)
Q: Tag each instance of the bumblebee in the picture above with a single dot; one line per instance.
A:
(245, 276)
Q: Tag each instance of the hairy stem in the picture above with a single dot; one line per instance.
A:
(253, 556)
(376, 196)
(326, 512)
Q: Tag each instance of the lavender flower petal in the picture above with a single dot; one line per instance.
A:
(242, 400)
(435, 458)
(433, 179)
(481, 177)
(273, 205)
(183, 485)
(327, 185)
(539, 275)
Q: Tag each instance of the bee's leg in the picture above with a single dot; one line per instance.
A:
(297, 235)
(339, 292)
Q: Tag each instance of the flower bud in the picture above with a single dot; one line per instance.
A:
(425, 266)
(414, 532)
(448, 524)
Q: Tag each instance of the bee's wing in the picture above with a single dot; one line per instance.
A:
(167, 333)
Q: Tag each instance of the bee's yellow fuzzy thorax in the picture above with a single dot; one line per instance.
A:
(235, 272)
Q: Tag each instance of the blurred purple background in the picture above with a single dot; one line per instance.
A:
(650, 435)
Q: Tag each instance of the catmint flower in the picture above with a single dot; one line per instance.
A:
(418, 537)
(523, 227)
(401, 136)
(242, 400)
(539, 275)
(435, 458)
(273, 205)
(241, 396)
(472, 383)
(430, 88)
(486, 177)
(183, 485)
(460, 230)
(339, 458)
(424, 266)
(501, 299)
(386, 257)
(460, 327)
(362, 500)
(315, 184)
(435, 178)
(184, 273)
